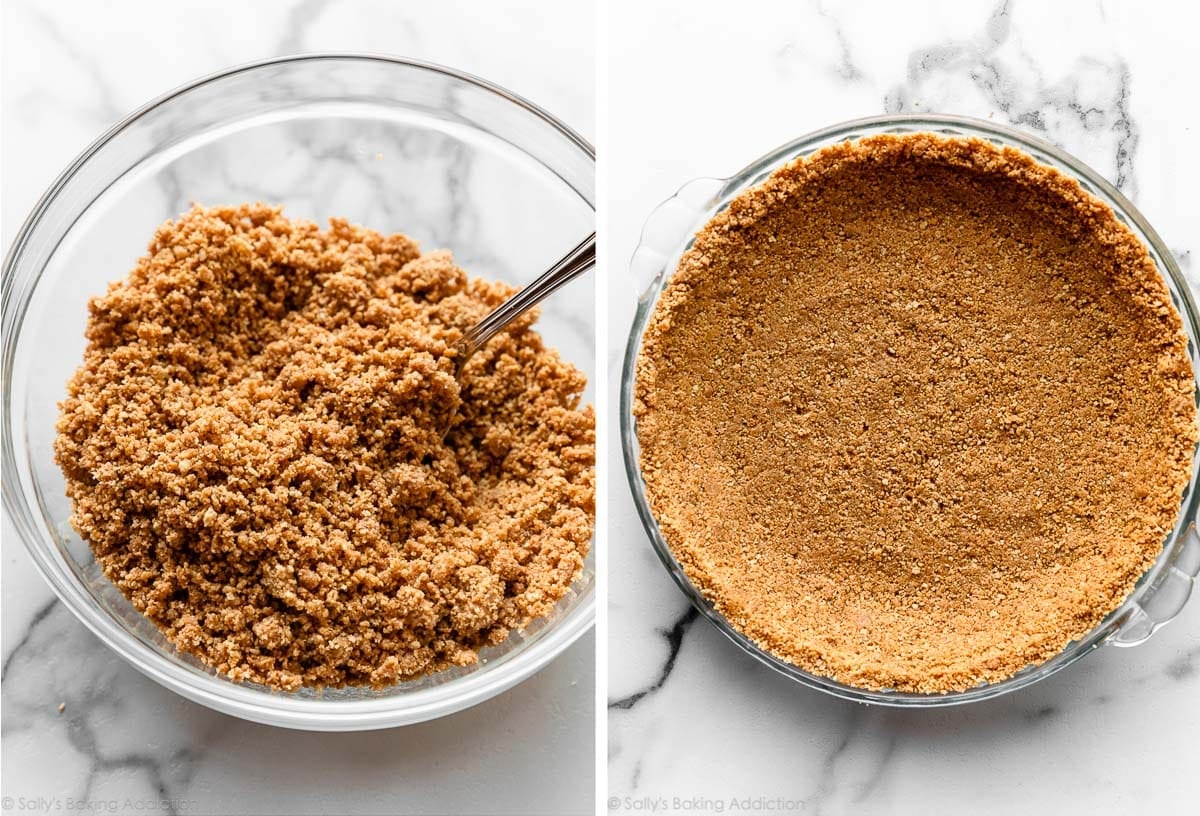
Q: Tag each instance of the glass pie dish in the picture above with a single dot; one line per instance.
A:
(398, 146)
(1162, 590)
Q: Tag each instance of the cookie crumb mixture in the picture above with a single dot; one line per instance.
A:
(253, 447)
(915, 412)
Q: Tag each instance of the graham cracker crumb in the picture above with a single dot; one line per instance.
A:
(916, 412)
(253, 447)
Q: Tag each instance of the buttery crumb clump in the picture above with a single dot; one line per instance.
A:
(916, 412)
(253, 447)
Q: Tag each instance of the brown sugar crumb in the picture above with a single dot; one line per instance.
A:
(916, 412)
(254, 451)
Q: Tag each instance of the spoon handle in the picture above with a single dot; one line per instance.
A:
(572, 265)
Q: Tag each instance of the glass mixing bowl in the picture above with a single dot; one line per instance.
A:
(668, 233)
(398, 146)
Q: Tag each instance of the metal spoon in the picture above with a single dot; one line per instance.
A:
(568, 268)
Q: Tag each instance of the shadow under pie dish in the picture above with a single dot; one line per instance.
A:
(909, 412)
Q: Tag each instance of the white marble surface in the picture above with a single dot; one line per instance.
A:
(121, 743)
(701, 94)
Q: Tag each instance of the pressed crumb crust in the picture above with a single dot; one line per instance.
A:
(916, 412)
(253, 447)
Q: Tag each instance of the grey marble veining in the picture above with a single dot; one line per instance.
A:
(1008, 80)
(674, 640)
(79, 726)
(692, 719)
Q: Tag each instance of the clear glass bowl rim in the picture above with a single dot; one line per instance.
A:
(751, 175)
(218, 693)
